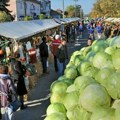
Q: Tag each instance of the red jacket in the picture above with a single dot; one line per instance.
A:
(55, 44)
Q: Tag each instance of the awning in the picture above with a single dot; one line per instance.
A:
(69, 20)
(21, 29)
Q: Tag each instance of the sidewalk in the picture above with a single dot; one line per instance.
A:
(38, 99)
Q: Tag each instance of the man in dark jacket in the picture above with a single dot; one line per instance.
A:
(43, 47)
(62, 56)
(18, 73)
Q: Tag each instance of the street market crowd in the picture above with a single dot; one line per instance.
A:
(14, 59)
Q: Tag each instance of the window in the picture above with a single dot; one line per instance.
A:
(21, 5)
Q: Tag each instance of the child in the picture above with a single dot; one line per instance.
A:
(89, 42)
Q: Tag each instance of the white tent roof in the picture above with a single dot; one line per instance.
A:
(109, 19)
(69, 20)
(22, 29)
(116, 20)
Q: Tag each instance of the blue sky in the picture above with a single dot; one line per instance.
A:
(86, 4)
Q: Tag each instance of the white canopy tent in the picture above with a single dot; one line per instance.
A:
(22, 29)
(69, 20)
(109, 19)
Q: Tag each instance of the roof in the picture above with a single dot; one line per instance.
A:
(69, 20)
(34, 1)
(23, 29)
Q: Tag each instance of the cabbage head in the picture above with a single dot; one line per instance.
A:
(56, 116)
(57, 97)
(71, 88)
(83, 67)
(103, 75)
(71, 72)
(93, 96)
(82, 82)
(58, 86)
(78, 113)
(112, 85)
(101, 60)
(116, 59)
(71, 99)
(55, 107)
(117, 113)
(103, 113)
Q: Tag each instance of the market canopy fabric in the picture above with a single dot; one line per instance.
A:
(22, 29)
(69, 20)
(112, 20)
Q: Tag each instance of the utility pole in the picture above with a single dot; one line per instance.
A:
(63, 9)
(75, 8)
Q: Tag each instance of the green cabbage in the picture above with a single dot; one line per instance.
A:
(103, 113)
(83, 67)
(78, 113)
(101, 60)
(71, 99)
(112, 85)
(57, 97)
(71, 88)
(117, 113)
(71, 72)
(103, 75)
(82, 82)
(93, 96)
(99, 45)
(55, 107)
(56, 116)
(116, 59)
(59, 86)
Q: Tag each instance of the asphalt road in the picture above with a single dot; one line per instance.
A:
(38, 99)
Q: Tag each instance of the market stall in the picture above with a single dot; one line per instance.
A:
(23, 37)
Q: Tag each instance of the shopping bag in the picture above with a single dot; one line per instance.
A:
(15, 104)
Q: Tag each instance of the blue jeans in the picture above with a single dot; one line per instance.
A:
(61, 67)
(8, 113)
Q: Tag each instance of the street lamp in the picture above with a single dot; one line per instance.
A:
(75, 8)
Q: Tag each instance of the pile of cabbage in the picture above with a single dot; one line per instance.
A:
(90, 86)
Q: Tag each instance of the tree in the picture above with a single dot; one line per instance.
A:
(66, 14)
(27, 18)
(106, 8)
(41, 16)
(4, 17)
(4, 11)
(71, 11)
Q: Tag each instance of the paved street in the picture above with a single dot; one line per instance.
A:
(38, 99)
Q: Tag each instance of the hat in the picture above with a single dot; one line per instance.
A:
(57, 37)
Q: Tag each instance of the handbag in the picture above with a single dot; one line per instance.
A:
(15, 104)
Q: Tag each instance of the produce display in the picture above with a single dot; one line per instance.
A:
(90, 86)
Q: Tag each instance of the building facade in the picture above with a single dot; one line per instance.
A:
(45, 7)
(33, 8)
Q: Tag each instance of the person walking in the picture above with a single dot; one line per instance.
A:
(81, 30)
(18, 73)
(99, 29)
(107, 31)
(73, 33)
(91, 32)
(43, 47)
(62, 56)
(55, 43)
(7, 93)
(68, 32)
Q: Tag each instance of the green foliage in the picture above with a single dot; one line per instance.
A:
(27, 18)
(41, 16)
(107, 8)
(71, 11)
(4, 17)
